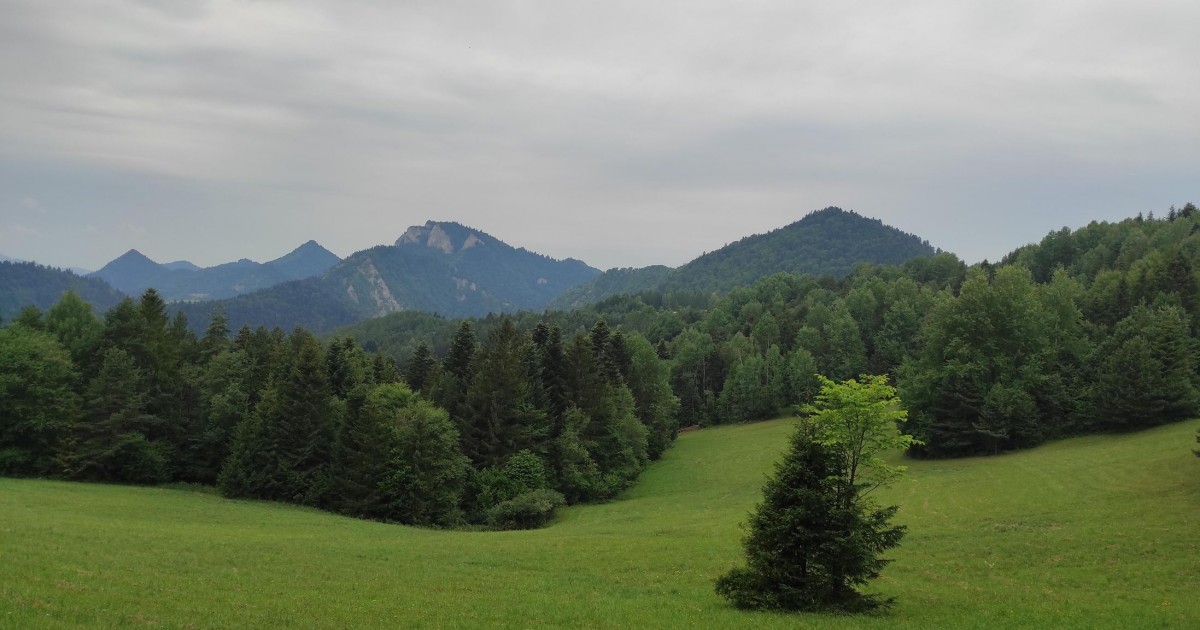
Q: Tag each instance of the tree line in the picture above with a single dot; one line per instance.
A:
(498, 433)
(1089, 330)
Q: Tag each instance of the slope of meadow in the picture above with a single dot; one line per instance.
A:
(1091, 532)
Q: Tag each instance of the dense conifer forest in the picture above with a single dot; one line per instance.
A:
(499, 433)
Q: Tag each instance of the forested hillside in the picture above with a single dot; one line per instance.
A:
(827, 242)
(617, 281)
(25, 284)
(1089, 330)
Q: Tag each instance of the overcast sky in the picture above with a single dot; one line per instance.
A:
(620, 133)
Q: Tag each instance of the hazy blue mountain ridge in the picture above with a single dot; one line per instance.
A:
(181, 280)
(444, 268)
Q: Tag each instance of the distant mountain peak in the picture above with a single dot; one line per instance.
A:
(133, 273)
(133, 255)
(445, 236)
(307, 260)
(182, 265)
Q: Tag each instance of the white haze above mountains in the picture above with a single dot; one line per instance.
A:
(621, 133)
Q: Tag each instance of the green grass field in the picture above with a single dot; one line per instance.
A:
(1088, 533)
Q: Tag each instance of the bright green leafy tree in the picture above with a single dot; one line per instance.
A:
(37, 399)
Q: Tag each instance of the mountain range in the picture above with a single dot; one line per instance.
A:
(133, 273)
(439, 267)
(452, 270)
(826, 242)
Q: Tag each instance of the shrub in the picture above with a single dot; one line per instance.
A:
(530, 510)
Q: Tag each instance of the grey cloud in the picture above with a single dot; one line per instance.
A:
(623, 133)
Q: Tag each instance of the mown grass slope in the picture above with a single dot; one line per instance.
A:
(1088, 533)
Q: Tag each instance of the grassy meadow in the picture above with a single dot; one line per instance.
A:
(1087, 533)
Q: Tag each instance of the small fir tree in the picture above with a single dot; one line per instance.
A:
(816, 538)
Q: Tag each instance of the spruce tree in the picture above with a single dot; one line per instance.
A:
(384, 368)
(112, 442)
(359, 457)
(281, 452)
(815, 538)
(500, 417)
(216, 336)
(553, 375)
(419, 367)
(225, 401)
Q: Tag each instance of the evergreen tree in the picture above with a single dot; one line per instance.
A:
(462, 353)
(216, 336)
(419, 368)
(124, 328)
(501, 417)
(225, 402)
(282, 451)
(347, 367)
(458, 368)
(359, 457)
(553, 374)
(384, 369)
(1144, 374)
(111, 442)
(815, 538)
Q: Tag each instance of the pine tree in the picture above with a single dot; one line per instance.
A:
(347, 368)
(462, 353)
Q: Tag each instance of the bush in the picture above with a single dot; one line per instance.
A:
(530, 510)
